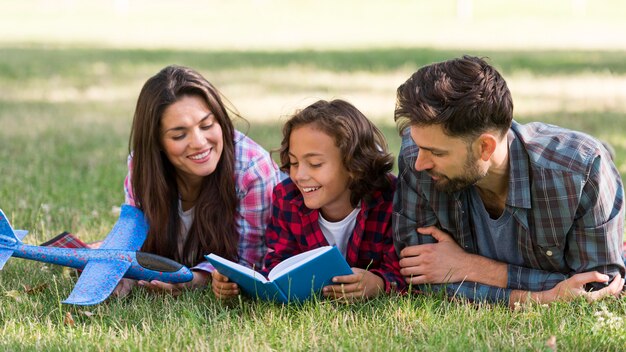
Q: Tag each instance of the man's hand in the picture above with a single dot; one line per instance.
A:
(200, 279)
(434, 263)
(360, 285)
(222, 287)
(572, 288)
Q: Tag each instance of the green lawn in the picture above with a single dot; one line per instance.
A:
(64, 122)
(70, 73)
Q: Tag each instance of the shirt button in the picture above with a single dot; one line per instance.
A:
(549, 253)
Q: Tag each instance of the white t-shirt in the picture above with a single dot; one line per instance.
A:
(338, 233)
(186, 219)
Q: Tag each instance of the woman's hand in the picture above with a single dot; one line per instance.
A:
(200, 279)
(124, 287)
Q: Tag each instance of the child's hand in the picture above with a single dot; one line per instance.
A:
(222, 288)
(200, 279)
(360, 285)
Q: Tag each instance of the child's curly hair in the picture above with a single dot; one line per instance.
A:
(361, 143)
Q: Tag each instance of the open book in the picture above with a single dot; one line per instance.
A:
(293, 280)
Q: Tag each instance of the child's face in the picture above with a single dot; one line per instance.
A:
(318, 171)
(191, 138)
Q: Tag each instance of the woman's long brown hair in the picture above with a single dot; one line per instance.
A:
(214, 228)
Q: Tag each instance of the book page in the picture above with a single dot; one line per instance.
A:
(237, 267)
(286, 265)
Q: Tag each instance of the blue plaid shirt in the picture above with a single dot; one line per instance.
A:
(566, 197)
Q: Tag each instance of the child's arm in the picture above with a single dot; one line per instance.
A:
(389, 269)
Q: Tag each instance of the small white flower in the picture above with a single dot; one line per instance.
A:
(606, 321)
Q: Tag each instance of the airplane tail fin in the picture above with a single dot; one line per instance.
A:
(8, 238)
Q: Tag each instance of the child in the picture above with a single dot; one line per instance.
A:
(339, 192)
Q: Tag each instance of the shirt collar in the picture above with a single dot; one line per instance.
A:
(519, 175)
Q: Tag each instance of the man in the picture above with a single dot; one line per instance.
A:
(496, 211)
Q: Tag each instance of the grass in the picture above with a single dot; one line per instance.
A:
(196, 321)
(65, 119)
(64, 122)
(66, 103)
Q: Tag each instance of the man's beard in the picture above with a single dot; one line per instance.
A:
(471, 175)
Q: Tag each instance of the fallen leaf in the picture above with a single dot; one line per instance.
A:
(87, 313)
(68, 320)
(32, 290)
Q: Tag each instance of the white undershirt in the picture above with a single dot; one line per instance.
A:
(338, 233)
(186, 219)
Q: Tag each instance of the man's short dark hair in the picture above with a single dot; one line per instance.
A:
(466, 96)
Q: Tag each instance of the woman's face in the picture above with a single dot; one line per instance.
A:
(191, 138)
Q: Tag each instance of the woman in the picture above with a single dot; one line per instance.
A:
(203, 186)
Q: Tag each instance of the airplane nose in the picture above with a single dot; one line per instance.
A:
(157, 263)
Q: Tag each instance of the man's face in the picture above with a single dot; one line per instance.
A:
(451, 162)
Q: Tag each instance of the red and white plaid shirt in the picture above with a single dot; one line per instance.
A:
(294, 229)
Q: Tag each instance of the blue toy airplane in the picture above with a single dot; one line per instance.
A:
(103, 268)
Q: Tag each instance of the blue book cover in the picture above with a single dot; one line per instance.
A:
(295, 279)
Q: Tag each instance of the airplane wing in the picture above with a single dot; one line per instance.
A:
(129, 232)
(6, 230)
(97, 281)
(100, 277)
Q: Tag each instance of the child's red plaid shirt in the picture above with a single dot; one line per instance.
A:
(294, 229)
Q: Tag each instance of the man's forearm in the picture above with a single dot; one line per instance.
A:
(486, 271)
(520, 297)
